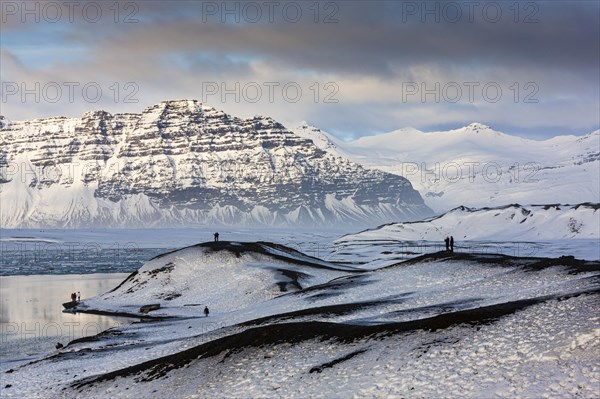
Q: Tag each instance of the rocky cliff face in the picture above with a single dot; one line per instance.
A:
(184, 163)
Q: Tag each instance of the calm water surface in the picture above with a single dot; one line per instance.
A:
(31, 313)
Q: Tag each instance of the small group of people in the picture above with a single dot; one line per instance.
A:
(449, 243)
(76, 297)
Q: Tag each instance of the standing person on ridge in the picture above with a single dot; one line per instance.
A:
(447, 241)
(451, 244)
(216, 237)
(206, 311)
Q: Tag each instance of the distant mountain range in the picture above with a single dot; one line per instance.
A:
(477, 166)
(182, 163)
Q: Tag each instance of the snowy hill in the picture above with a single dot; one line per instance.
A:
(441, 325)
(535, 230)
(182, 163)
(226, 275)
(477, 166)
(508, 223)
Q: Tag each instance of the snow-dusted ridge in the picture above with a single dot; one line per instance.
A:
(483, 325)
(512, 222)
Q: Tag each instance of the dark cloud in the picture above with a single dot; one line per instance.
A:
(367, 37)
(370, 36)
(370, 49)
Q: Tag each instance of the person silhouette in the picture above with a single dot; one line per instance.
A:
(206, 311)
(216, 235)
(447, 241)
(451, 244)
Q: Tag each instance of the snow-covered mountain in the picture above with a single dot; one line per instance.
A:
(286, 325)
(477, 166)
(184, 163)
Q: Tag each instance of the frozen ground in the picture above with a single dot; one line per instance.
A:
(284, 324)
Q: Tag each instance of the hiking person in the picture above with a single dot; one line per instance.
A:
(59, 345)
(216, 237)
(206, 311)
(73, 297)
(451, 244)
(447, 241)
(78, 296)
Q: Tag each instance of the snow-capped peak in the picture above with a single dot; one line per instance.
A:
(481, 131)
(478, 127)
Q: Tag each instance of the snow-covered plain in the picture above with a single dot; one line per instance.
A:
(284, 324)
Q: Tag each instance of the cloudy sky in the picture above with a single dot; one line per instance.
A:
(349, 67)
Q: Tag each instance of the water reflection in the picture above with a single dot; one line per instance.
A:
(31, 313)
